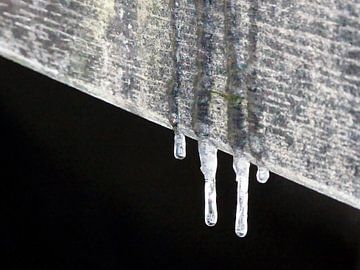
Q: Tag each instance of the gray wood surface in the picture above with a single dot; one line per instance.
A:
(276, 79)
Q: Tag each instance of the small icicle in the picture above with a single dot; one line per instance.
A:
(241, 167)
(179, 145)
(208, 160)
(262, 175)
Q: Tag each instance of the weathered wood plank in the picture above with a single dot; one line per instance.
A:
(277, 79)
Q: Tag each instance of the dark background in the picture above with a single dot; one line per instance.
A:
(86, 185)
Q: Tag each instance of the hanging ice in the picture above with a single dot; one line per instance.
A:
(179, 145)
(262, 175)
(208, 160)
(241, 167)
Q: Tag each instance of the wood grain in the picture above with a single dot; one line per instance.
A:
(278, 80)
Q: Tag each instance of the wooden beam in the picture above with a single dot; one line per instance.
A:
(278, 80)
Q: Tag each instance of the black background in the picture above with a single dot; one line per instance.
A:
(86, 185)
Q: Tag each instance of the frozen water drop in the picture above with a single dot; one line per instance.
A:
(179, 145)
(262, 175)
(208, 160)
(241, 167)
(210, 203)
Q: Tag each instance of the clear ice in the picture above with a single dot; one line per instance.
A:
(179, 145)
(241, 167)
(208, 160)
(262, 175)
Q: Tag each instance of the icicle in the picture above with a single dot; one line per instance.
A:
(241, 167)
(208, 160)
(262, 174)
(179, 145)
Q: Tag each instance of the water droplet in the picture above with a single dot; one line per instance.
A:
(241, 167)
(262, 175)
(208, 160)
(179, 145)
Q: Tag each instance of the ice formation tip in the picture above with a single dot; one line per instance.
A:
(210, 203)
(241, 167)
(179, 145)
(262, 175)
(241, 233)
(208, 160)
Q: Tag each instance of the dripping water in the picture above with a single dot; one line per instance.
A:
(201, 119)
(174, 89)
(208, 160)
(179, 145)
(238, 129)
(239, 81)
(241, 167)
(262, 174)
